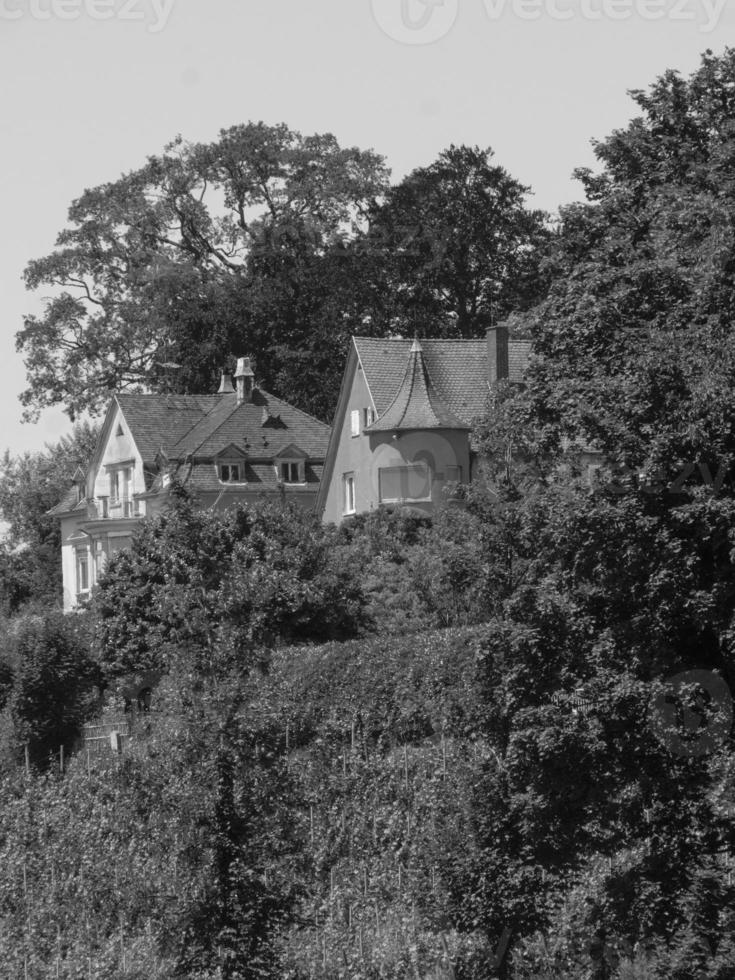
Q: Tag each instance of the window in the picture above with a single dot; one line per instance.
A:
(368, 417)
(348, 483)
(82, 571)
(229, 472)
(292, 473)
(99, 559)
(121, 481)
(405, 483)
(119, 431)
(355, 422)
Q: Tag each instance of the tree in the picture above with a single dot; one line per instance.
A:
(157, 268)
(223, 587)
(455, 247)
(30, 485)
(635, 344)
(56, 684)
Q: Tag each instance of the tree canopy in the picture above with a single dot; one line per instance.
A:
(274, 244)
(155, 268)
(30, 485)
(635, 345)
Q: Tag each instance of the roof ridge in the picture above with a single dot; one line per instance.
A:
(207, 416)
(295, 408)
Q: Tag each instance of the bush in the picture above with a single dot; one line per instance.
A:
(56, 684)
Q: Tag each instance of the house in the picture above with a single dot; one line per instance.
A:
(236, 445)
(401, 433)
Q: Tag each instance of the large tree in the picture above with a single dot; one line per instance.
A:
(278, 245)
(635, 345)
(174, 263)
(455, 247)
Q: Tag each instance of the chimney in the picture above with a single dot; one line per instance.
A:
(225, 385)
(244, 380)
(497, 354)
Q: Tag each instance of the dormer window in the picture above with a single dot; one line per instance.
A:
(290, 466)
(292, 472)
(230, 473)
(229, 465)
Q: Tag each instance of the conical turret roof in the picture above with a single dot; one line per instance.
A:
(417, 404)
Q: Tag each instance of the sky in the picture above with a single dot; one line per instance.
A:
(92, 87)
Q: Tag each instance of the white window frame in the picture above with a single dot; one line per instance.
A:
(355, 422)
(230, 465)
(82, 562)
(405, 468)
(349, 493)
(368, 417)
(285, 471)
(122, 487)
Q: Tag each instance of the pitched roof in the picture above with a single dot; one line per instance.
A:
(201, 426)
(258, 477)
(69, 502)
(162, 420)
(247, 425)
(416, 405)
(205, 424)
(458, 370)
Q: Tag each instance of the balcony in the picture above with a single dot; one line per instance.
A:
(104, 508)
(121, 507)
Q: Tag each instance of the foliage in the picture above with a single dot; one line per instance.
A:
(55, 685)
(30, 485)
(456, 247)
(402, 800)
(201, 253)
(226, 584)
(275, 244)
(634, 344)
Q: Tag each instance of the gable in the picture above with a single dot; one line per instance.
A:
(291, 452)
(231, 452)
(343, 400)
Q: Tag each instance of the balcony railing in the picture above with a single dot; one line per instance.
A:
(104, 507)
(121, 507)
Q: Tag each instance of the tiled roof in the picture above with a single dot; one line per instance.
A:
(262, 427)
(458, 370)
(162, 420)
(416, 405)
(70, 502)
(258, 476)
